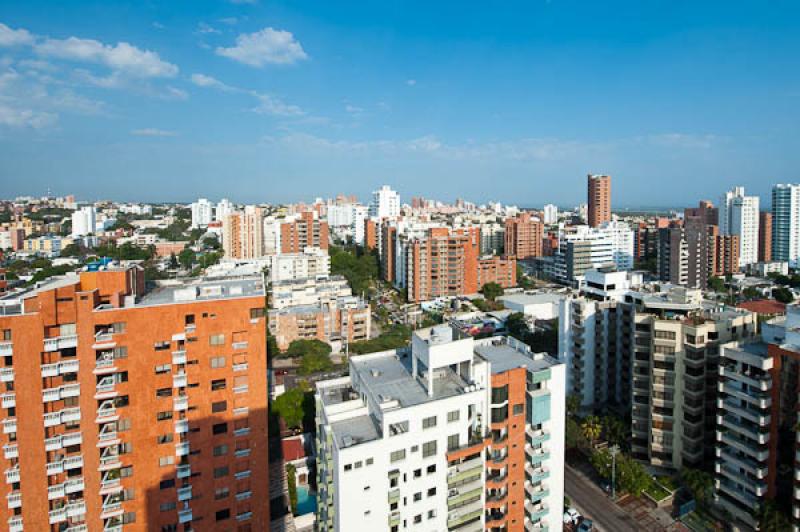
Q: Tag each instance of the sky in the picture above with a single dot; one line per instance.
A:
(271, 101)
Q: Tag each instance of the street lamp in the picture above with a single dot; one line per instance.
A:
(613, 450)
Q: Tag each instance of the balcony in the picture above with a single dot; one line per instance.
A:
(7, 375)
(244, 495)
(239, 345)
(103, 340)
(14, 500)
(12, 475)
(107, 436)
(536, 511)
(242, 475)
(181, 426)
(536, 493)
(76, 509)
(185, 516)
(11, 451)
(537, 436)
(58, 515)
(105, 364)
(57, 343)
(244, 431)
(455, 519)
(182, 448)
(184, 471)
(241, 453)
(536, 474)
(62, 392)
(244, 516)
(106, 415)
(8, 400)
(179, 380)
(185, 493)
(180, 403)
(9, 425)
(239, 367)
(106, 388)
(109, 485)
(109, 462)
(536, 455)
(111, 509)
(179, 357)
(15, 524)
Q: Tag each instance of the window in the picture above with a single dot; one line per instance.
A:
(221, 493)
(348, 467)
(370, 461)
(452, 442)
(163, 368)
(128, 517)
(223, 514)
(417, 473)
(453, 416)
(217, 362)
(396, 456)
(500, 394)
(219, 406)
(418, 518)
(429, 449)
(167, 506)
(189, 319)
(256, 313)
(358, 465)
(220, 450)
(164, 392)
(123, 424)
(218, 384)
(431, 514)
(161, 416)
(431, 492)
(166, 484)
(431, 469)
(165, 438)
(418, 496)
(216, 339)
(220, 472)
(519, 409)
(161, 346)
(219, 428)
(125, 472)
(429, 422)
(165, 461)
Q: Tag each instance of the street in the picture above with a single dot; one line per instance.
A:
(592, 503)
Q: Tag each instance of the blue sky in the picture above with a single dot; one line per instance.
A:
(511, 101)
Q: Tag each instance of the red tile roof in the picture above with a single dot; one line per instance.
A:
(292, 449)
(764, 306)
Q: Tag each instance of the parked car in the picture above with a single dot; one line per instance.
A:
(571, 516)
(586, 526)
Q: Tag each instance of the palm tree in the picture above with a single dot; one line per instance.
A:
(591, 428)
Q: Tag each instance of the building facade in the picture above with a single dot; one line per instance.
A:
(599, 199)
(739, 215)
(523, 238)
(308, 230)
(786, 224)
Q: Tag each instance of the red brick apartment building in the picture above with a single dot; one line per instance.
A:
(599, 197)
(524, 236)
(307, 231)
(127, 410)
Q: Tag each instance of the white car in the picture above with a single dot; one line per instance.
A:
(571, 516)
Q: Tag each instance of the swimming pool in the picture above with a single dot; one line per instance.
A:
(306, 502)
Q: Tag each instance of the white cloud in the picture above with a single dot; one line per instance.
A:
(270, 105)
(268, 46)
(411, 82)
(25, 118)
(353, 109)
(230, 21)
(9, 37)
(153, 132)
(201, 80)
(205, 29)
(159, 26)
(174, 93)
(123, 58)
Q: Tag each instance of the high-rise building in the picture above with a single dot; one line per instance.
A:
(493, 237)
(223, 209)
(127, 409)
(202, 213)
(307, 230)
(786, 224)
(765, 237)
(550, 213)
(738, 215)
(583, 248)
(358, 215)
(524, 235)
(451, 434)
(84, 221)
(599, 199)
(385, 203)
(243, 234)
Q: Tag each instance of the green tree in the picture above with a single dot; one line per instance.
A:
(699, 483)
(573, 405)
(491, 291)
(601, 461)
(517, 326)
(359, 267)
(395, 337)
(186, 258)
(716, 284)
(303, 348)
(289, 407)
(771, 518)
(631, 475)
(783, 294)
(615, 431)
(591, 428)
(573, 435)
(315, 363)
(291, 481)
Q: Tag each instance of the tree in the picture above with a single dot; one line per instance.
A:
(615, 431)
(491, 291)
(601, 461)
(573, 404)
(751, 293)
(315, 362)
(289, 407)
(716, 284)
(573, 434)
(591, 428)
(631, 475)
(186, 258)
(291, 481)
(303, 348)
(395, 337)
(771, 518)
(357, 266)
(699, 483)
(783, 294)
(173, 261)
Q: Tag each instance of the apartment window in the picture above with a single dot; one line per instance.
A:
(418, 518)
(6, 335)
(167, 506)
(396, 456)
(219, 406)
(125, 448)
(358, 465)
(429, 449)
(165, 461)
(431, 492)
(163, 368)
(431, 514)
(166, 484)
(453, 416)
(222, 515)
(256, 313)
(431, 469)
(500, 394)
(417, 473)
(218, 384)
(519, 409)
(161, 346)
(220, 472)
(217, 362)
(429, 422)
(219, 428)
(452, 442)
(125, 472)
(123, 424)
(221, 493)
(220, 450)
(216, 339)
(128, 518)
(165, 438)
(348, 467)
(164, 392)
(189, 319)
(161, 416)
(370, 461)
(418, 496)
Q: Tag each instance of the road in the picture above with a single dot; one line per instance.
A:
(591, 502)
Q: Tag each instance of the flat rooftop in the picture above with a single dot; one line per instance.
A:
(204, 290)
(504, 357)
(532, 299)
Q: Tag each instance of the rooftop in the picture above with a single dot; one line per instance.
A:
(204, 290)
(532, 299)
(504, 357)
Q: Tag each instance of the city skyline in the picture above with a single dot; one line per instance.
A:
(180, 103)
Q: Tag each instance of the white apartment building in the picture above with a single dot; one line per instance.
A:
(583, 248)
(340, 215)
(313, 263)
(493, 238)
(385, 203)
(84, 221)
(738, 215)
(419, 438)
(202, 213)
(550, 214)
(786, 224)
(358, 215)
(224, 208)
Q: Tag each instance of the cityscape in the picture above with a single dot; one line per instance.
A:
(335, 268)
